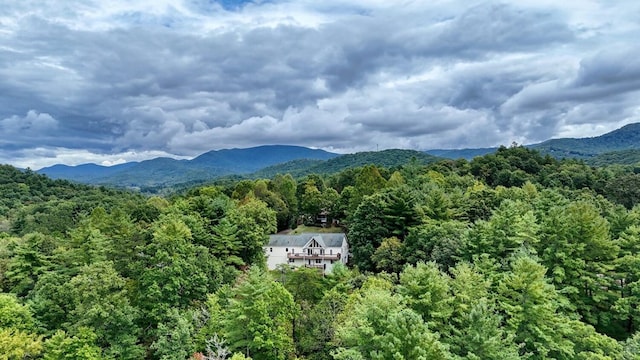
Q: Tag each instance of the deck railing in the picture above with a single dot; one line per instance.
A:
(313, 256)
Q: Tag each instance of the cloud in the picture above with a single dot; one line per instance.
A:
(38, 157)
(184, 77)
(598, 93)
(499, 27)
(33, 123)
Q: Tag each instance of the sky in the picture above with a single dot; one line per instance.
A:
(109, 81)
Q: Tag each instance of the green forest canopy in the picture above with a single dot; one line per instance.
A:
(511, 255)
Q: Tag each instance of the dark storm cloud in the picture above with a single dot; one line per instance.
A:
(602, 90)
(499, 27)
(127, 81)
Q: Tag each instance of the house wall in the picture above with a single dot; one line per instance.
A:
(344, 250)
(278, 255)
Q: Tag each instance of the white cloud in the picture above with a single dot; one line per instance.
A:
(93, 79)
(39, 157)
(33, 123)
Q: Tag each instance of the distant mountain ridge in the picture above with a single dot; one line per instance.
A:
(262, 161)
(619, 146)
(461, 153)
(84, 172)
(626, 138)
(385, 158)
(167, 171)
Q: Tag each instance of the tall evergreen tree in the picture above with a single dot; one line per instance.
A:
(258, 321)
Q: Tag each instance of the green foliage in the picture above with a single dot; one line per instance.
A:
(480, 335)
(31, 257)
(511, 227)
(388, 213)
(441, 241)
(627, 137)
(579, 253)
(316, 329)
(305, 285)
(426, 291)
(18, 345)
(258, 319)
(631, 350)
(388, 256)
(79, 347)
(622, 157)
(175, 271)
(531, 306)
(99, 300)
(624, 190)
(386, 158)
(14, 315)
(512, 255)
(311, 202)
(175, 337)
(367, 229)
(377, 326)
(254, 221)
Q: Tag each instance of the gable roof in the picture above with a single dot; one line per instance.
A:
(328, 239)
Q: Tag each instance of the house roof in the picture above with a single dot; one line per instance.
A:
(329, 240)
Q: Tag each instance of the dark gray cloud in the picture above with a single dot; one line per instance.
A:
(90, 81)
(500, 27)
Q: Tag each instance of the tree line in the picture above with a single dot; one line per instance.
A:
(511, 255)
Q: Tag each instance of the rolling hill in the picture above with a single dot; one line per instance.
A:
(84, 172)
(622, 157)
(591, 149)
(461, 153)
(385, 158)
(619, 146)
(167, 171)
(625, 138)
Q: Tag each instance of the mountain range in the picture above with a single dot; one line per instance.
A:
(626, 138)
(165, 171)
(619, 146)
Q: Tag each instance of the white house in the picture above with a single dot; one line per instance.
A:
(319, 251)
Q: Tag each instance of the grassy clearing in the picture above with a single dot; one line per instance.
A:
(315, 229)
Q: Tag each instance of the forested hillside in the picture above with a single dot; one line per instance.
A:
(622, 157)
(625, 138)
(512, 255)
(165, 172)
(620, 146)
(385, 158)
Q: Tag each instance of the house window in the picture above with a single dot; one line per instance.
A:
(330, 251)
(318, 261)
(287, 249)
(321, 251)
(270, 249)
(291, 260)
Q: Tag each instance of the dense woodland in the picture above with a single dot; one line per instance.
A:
(511, 255)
